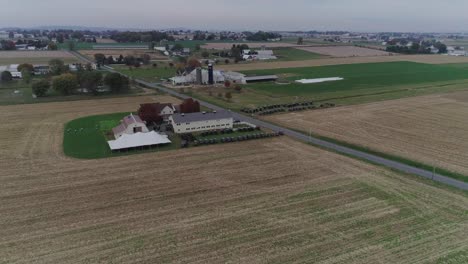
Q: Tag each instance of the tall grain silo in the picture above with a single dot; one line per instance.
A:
(199, 76)
(210, 74)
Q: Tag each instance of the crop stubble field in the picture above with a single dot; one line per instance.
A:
(276, 201)
(345, 51)
(430, 129)
(116, 53)
(429, 59)
(34, 57)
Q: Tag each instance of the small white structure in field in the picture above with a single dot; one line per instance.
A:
(129, 125)
(197, 122)
(319, 80)
(136, 140)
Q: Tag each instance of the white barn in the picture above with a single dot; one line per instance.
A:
(197, 122)
(129, 125)
(192, 78)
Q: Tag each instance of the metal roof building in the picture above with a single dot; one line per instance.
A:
(263, 78)
(128, 141)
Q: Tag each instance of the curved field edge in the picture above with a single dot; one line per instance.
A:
(85, 138)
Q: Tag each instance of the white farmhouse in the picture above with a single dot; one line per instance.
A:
(197, 122)
(129, 125)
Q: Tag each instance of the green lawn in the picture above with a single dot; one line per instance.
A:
(85, 138)
(148, 73)
(292, 54)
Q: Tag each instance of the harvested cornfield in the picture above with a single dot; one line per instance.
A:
(275, 201)
(252, 45)
(117, 52)
(345, 51)
(429, 59)
(34, 57)
(429, 129)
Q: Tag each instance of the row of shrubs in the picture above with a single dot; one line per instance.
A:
(228, 131)
(201, 142)
(276, 106)
(296, 109)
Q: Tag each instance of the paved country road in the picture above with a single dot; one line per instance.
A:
(310, 139)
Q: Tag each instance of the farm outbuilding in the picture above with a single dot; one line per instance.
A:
(197, 122)
(264, 78)
(129, 125)
(137, 140)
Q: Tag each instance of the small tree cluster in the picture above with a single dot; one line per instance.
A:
(41, 88)
(117, 83)
(65, 83)
(189, 106)
(6, 76)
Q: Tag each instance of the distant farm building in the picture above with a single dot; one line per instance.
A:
(196, 122)
(203, 77)
(262, 54)
(263, 78)
(129, 125)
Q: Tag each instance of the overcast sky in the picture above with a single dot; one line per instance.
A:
(353, 15)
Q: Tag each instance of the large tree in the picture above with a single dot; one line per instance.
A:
(6, 76)
(116, 82)
(90, 80)
(65, 83)
(189, 106)
(40, 88)
(52, 46)
(100, 58)
(57, 66)
(26, 66)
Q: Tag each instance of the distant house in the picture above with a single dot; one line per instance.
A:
(197, 122)
(262, 54)
(155, 113)
(22, 46)
(130, 124)
(41, 69)
(452, 51)
(434, 50)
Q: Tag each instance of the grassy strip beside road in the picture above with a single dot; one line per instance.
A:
(416, 164)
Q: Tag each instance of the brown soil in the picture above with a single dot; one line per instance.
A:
(273, 200)
(345, 51)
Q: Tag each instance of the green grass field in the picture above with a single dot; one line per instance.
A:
(85, 138)
(363, 83)
(292, 54)
(358, 78)
(148, 73)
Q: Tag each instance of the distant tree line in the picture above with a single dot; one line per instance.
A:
(417, 48)
(148, 36)
(261, 36)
